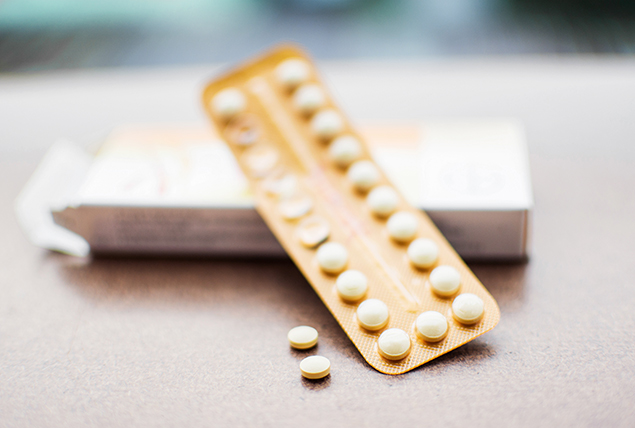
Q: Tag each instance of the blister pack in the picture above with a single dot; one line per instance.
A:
(392, 281)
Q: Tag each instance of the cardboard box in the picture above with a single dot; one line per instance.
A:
(176, 190)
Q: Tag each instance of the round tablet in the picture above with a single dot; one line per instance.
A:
(308, 99)
(423, 252)
(280, 184)
(332, 257)
(260, 160)
(382, 201)
(294, 207)
(315, 367)
(313, 230)
(351, 285)
(372, 314)
(394, 344)
(228, 103)
(292, 72)
(345, 150)
(467, 308)
(302, 337)
(363, 175)
(431, 326)
(327, 124)
(402, 226)
(445, 280)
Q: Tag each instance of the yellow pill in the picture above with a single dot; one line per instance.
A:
(372, 314)
(315, 367)
(302, 337)
(394, 344)
(431, 326)
(332, 257)
(445, 280)
(468, 308)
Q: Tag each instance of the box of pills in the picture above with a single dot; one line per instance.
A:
(177, 190)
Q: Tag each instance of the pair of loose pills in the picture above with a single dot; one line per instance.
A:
(315, 366)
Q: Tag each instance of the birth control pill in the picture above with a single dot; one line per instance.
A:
(372, 314)
(280, 184)
(260, 160)
(332, 257)
(243, 130)
(394, 344)
(326, 124)
(363, 175)
(228, 103)
(431, 326)
(402, 226)
(468, 308)
(382, 201)
(345, 150)
(314, 230)
(295, 206)
(445, 280)
(351, 285)
(302, 337)
(308, 99)
(292, 72)
(315, 367)
(423, 252)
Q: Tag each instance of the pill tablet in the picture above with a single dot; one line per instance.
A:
(308, 99)
(293, 72)
(363, 175)
(468, 308)
(431, 326)
(394, 344)
(345, 150)
(315, 367)
(351, 285)
(313, 230)
(423, 252)
(382, 201)
(402, 226)
(332, 257)
(372, 314)
(445, 280)
(326, 124)
(280, 184)
(296, 206)
(302, 337)
(228, 103)
(260, 160)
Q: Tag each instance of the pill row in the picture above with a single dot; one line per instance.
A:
(352, 285)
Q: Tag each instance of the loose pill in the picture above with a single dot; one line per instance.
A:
(445, 280)
(345, 150)
(332, 257)
(293, 72)
(402, 226)
(302, 337)
(394, 344)
(423, 252)
(296, 206)
(228, 103)
(468, 308)
(315, 367)
(351, 285)
(382, 201)
(363, 175)
(372, 314)
(313, 230)
(326, 124)
(431, 326)
(308, 99)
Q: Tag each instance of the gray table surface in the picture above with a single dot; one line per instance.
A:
(143, 342)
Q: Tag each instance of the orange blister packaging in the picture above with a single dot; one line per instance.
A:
(392, 281)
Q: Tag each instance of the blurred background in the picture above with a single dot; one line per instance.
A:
(67, 34)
